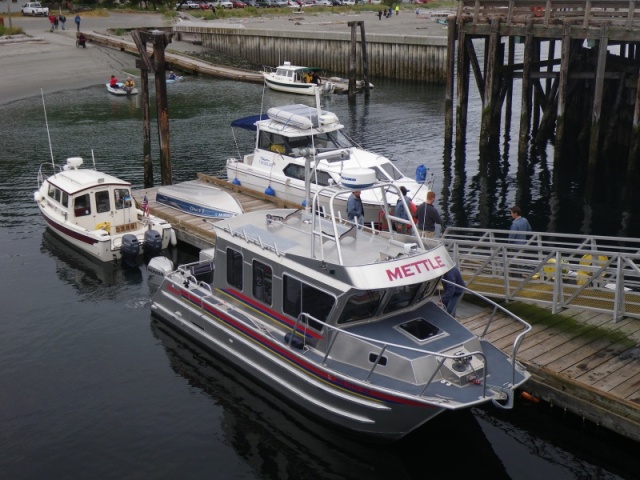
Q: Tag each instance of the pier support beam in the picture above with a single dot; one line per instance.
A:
(448, 93)
(489, 87)
(525, 113)
(462, 87)
(594, 140)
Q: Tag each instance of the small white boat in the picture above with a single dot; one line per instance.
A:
(297, 140)
(95, 213)
(339, 321)
(294, 79)
(121, 90)
(200, 199)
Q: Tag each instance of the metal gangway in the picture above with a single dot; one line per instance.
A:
(553, 269)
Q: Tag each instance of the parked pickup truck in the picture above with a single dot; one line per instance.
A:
(188, 5)
(34, 9)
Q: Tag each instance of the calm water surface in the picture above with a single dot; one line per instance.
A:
(94, 387)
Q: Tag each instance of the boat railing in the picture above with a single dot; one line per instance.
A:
(335, 191)
(307, 319)
(50, 169)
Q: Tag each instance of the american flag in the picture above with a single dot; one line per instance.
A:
(145, 206)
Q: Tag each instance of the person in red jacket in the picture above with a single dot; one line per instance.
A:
(113, 83)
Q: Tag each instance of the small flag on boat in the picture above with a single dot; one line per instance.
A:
(145, 206)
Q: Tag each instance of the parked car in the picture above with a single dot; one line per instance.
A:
(281, 3)
(251, 3)
(34, 9)
(188, 5)
(323, 3)
(266, 3)
(238, 4)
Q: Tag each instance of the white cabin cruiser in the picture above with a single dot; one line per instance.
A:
(95, 212)
(295, 79)
(297, 141)
(339, 320)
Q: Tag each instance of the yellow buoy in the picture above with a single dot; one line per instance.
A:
(589, 261)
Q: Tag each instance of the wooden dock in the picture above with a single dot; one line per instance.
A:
(583, 362)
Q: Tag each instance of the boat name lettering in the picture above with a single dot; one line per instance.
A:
(414, 268)
(265, 161)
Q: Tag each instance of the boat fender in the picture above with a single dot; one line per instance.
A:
(295, 342)
(236, 181)
(270, 191)
(421, 173)
(173, 240)
(529, 397)
(37, 196)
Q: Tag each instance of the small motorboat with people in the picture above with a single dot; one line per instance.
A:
(200, 199)
(117, 88)
(95, 213)
(297, 141)
(173, 78)
(339, 320)
(295, 79)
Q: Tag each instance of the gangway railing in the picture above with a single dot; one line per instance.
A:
(559, 270)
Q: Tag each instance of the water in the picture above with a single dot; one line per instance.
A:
(94, 387)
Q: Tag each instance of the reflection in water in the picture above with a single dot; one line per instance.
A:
(280, 442)
(84, 274)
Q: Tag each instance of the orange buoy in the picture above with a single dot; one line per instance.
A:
(531, 398)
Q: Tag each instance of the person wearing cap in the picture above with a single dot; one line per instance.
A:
(428, 216)
(355, 210)
(401, 212)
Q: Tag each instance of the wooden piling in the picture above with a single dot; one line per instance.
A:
(448, 95)
(462, 87)
(525, 104)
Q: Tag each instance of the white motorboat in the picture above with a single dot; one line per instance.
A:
(295, 141)
(121, 90)
(294, 79)
(341, 322)
(200, 199)
(95, 213)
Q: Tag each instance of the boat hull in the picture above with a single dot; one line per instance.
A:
(295, 87)
(289, 375)
(121, 91)
(198, 198)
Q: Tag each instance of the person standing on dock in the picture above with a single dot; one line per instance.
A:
(428, 216)
(77, 20)
(520, 224)
(451, 290)
(379, 14)
(62, 19)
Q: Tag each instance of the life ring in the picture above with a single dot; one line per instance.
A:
(589, 261)
(549, 268)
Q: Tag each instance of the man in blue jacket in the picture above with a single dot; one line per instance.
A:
(520, 224)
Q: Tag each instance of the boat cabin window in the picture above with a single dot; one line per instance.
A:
(82, 205)
(122, 198)
(234, 268)
(429, 288)
(54, 193)
(103, 203)
(401, 297)
(300, 297)
(332, 141)
(65, 199)
(297, 171)
(360, 306)
(262, 282)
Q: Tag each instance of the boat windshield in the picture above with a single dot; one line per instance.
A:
(292, 146)
(387, 171)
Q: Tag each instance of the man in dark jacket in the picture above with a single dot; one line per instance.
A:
(451, 291)
(428, 216)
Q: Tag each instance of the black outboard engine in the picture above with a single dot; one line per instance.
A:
(152, 244)
(130, 249)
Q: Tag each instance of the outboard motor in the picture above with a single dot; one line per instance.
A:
(130, 249)
(152, 244)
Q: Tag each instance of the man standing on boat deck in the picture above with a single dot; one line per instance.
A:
(428, 216)
(355, 210)
(520, 224)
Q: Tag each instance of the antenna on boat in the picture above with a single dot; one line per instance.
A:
(93, 158)
(48, 134)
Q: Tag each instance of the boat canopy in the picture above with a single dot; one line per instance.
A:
(249, 123)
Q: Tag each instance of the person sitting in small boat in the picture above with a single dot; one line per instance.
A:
(172, 76)
(113, 83)
(315, 78)
(129, 84)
